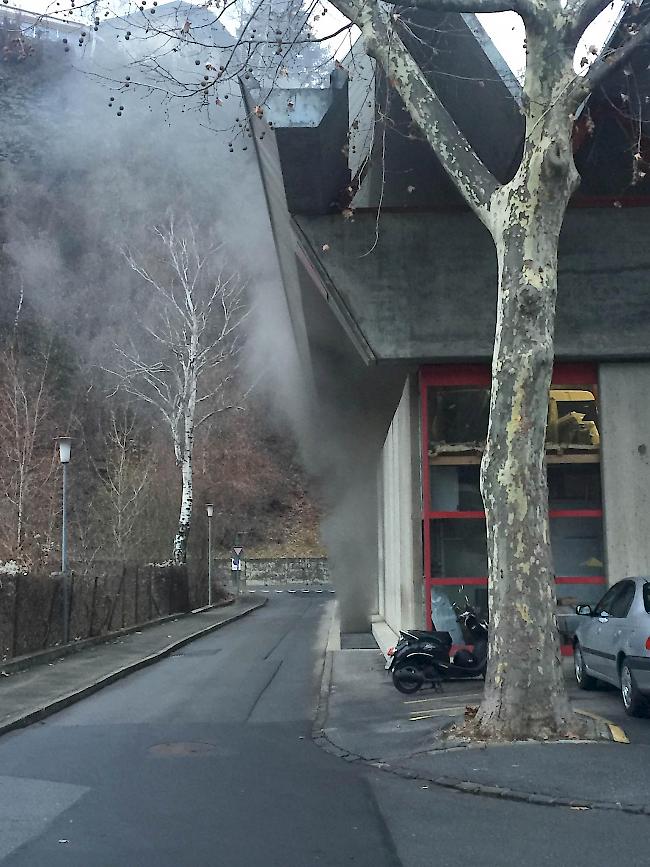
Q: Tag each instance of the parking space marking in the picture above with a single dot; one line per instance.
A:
(617, 733)
(469, 697)
(430, 714)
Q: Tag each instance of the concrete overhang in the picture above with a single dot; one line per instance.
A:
(311, 128)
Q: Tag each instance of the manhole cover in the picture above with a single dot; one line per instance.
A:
(183, 748)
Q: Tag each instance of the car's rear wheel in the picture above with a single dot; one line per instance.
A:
(634, 702)
(584, 680)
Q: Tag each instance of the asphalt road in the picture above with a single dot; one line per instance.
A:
(205, 759)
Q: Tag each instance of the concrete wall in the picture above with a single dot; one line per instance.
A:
(625, 429)
(429, 289)
(401, 594)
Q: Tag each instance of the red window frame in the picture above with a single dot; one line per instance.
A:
(480, 375)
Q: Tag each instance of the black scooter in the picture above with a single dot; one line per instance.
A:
(422, 658)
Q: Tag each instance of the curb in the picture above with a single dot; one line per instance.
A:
(321, 740)
(64, 701)
(60, 651)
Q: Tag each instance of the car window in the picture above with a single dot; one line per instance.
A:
(622, 603)
(609, 599)
(646, 597)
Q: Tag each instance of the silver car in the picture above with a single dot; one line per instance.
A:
(612, 643)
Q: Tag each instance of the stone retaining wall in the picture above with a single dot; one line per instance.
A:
(261, 571)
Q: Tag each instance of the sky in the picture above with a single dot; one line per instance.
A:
(506, 29)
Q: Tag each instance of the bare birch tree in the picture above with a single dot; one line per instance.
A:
(183, 363)
(25, 459)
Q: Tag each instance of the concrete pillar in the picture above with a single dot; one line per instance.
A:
(625, 444)
(402, 547)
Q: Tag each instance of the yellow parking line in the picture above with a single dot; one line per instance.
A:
(433, 713)
(468, 697)
(616, 732)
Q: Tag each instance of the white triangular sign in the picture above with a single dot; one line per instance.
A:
(237, 551)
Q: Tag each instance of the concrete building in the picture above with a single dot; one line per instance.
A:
(390, 283)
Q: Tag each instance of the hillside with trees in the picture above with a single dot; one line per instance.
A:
(75, 202)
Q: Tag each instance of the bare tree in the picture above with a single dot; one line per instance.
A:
(125, 477)
(186, 360)
(25, 461)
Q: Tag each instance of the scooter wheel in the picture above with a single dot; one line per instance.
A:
(407, 679)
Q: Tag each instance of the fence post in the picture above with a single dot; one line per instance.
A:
(92, 608)
(71, 601)
(135, 596)
(16, 618)
(169, 595)
(150, 582)
(123, 592)
(50, 616)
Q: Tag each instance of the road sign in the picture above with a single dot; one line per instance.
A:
(236, 564)
(238, 552)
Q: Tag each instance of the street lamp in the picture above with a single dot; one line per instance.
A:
(209, 508)
(65, 444)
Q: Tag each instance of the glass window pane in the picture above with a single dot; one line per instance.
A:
(458, 548)
(572, 419)
(443, 614)
(609, 598)
(574, 486)
(577, 545)
(458, 418)
(623, 601)
(456, 488)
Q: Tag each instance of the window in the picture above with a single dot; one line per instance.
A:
(572, 420)
(621, 605)
(458, 420)
(455, 409)
(608, 602)
(646, 597)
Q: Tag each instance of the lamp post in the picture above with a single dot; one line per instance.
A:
(209, 508)
(64, 456)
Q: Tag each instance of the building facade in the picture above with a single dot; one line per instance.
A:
(390, 286)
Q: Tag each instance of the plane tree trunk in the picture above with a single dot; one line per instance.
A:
(525, 694)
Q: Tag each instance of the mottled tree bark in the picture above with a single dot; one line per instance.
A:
(525, 694)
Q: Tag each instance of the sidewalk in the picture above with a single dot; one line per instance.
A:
(30, 695)
(362, 717)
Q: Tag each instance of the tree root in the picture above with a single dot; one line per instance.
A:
(473, 729)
